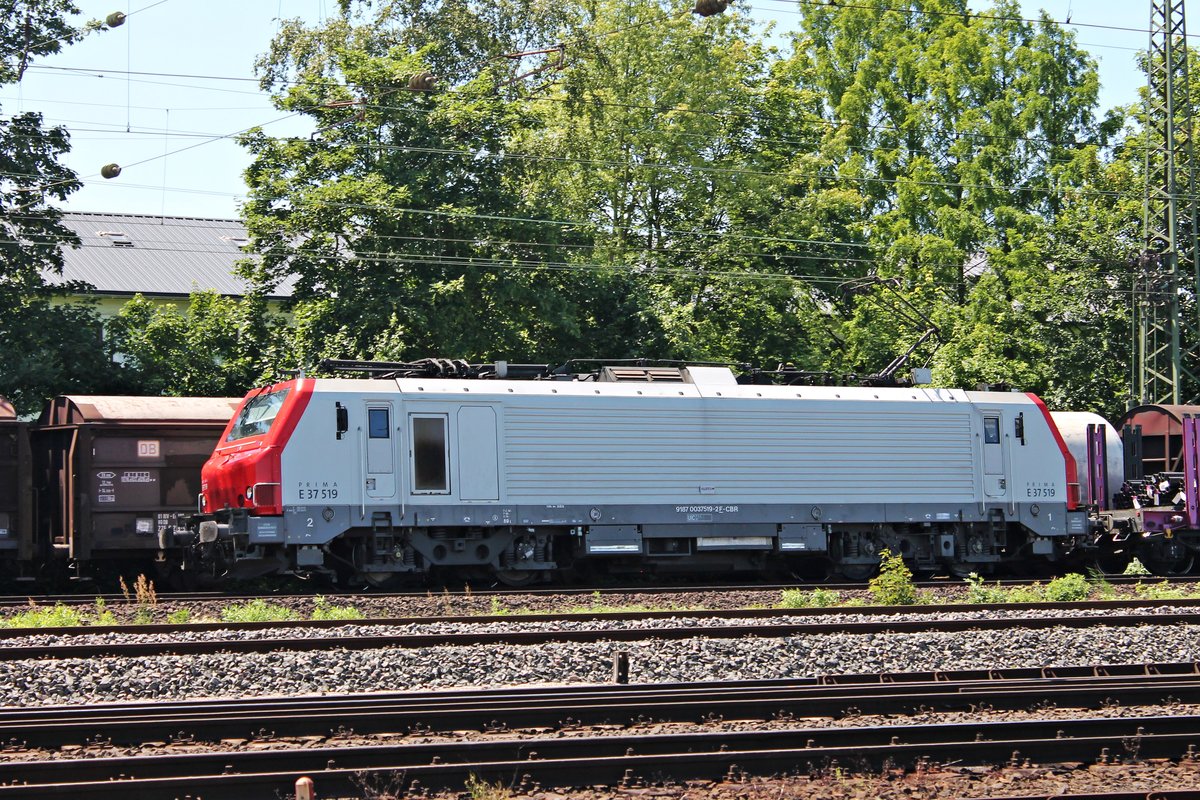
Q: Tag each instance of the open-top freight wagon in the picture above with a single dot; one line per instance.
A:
(102, 482)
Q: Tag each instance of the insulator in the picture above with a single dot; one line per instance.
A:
(115, 19)
(110, 170)
(422, 82)
(706, 8)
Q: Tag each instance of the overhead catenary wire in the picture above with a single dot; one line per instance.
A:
(485, 238)
(971, 14)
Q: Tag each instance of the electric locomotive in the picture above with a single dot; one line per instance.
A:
(478, 469)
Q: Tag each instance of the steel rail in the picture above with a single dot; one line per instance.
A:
(543, 636)
(615, 760)
(125, 724)
(89, 598)
(1155, 794)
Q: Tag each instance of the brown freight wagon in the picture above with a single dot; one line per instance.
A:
(1153, 436)
(114, 473)
(16, 489)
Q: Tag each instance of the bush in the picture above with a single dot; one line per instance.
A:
(817, 598)
(894, 584)
(979, 592)
(323, 609)
(258, 610)
(1068, 589)
(60, 616)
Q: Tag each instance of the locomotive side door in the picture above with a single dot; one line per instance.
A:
(380, 447)
(995, 459)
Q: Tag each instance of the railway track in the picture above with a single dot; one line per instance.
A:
(608, 760)
(771, 623)
(131, 724)
(85, 598)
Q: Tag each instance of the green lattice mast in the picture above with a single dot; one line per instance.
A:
(1166, 276)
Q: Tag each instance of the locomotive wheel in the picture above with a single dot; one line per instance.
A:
(1112, 563)
(857, 572)
(381, 580)
(516, 578)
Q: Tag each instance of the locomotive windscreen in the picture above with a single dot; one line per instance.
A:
(257, 415)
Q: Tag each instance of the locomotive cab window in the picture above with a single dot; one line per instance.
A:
(257, 416)
(430, 472)
(378, 426)
(991, 430)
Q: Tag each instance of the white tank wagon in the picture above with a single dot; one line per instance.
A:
(693, 471)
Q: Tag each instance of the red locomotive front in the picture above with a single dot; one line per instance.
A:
(244, 470)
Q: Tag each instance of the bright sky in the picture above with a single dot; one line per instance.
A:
(163, 95)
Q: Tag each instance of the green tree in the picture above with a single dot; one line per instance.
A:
(948, 132)
(210, 348)
(49, 347)
(404, 224)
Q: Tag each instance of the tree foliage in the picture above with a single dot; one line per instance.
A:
(663, 185)
(622, 178)
(49, 347)
(210, 348)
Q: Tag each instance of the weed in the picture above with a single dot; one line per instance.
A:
(1033, 593)
(979, 592)
(180, 616)
(143, 617)
(60, 616)
(893, 586)
(143, 590)
(479, 789)
(1158, 591)
(257, 610)
(498, 609)
(103, 615)
(125, 589)
(1101, 587)
(824, 598)
(1136, 568)
(323, 609)
(817, 598)
(1068, 589)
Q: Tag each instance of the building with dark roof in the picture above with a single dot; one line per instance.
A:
(162, 258)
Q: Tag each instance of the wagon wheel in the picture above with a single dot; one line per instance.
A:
(1167, 557)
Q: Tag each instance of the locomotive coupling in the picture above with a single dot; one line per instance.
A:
(210, 531)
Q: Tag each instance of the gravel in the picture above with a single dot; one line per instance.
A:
(131, 635)
(77, 681)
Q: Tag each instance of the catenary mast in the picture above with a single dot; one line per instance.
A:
(1166, 276)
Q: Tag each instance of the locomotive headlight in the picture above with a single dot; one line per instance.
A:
(250, 493)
